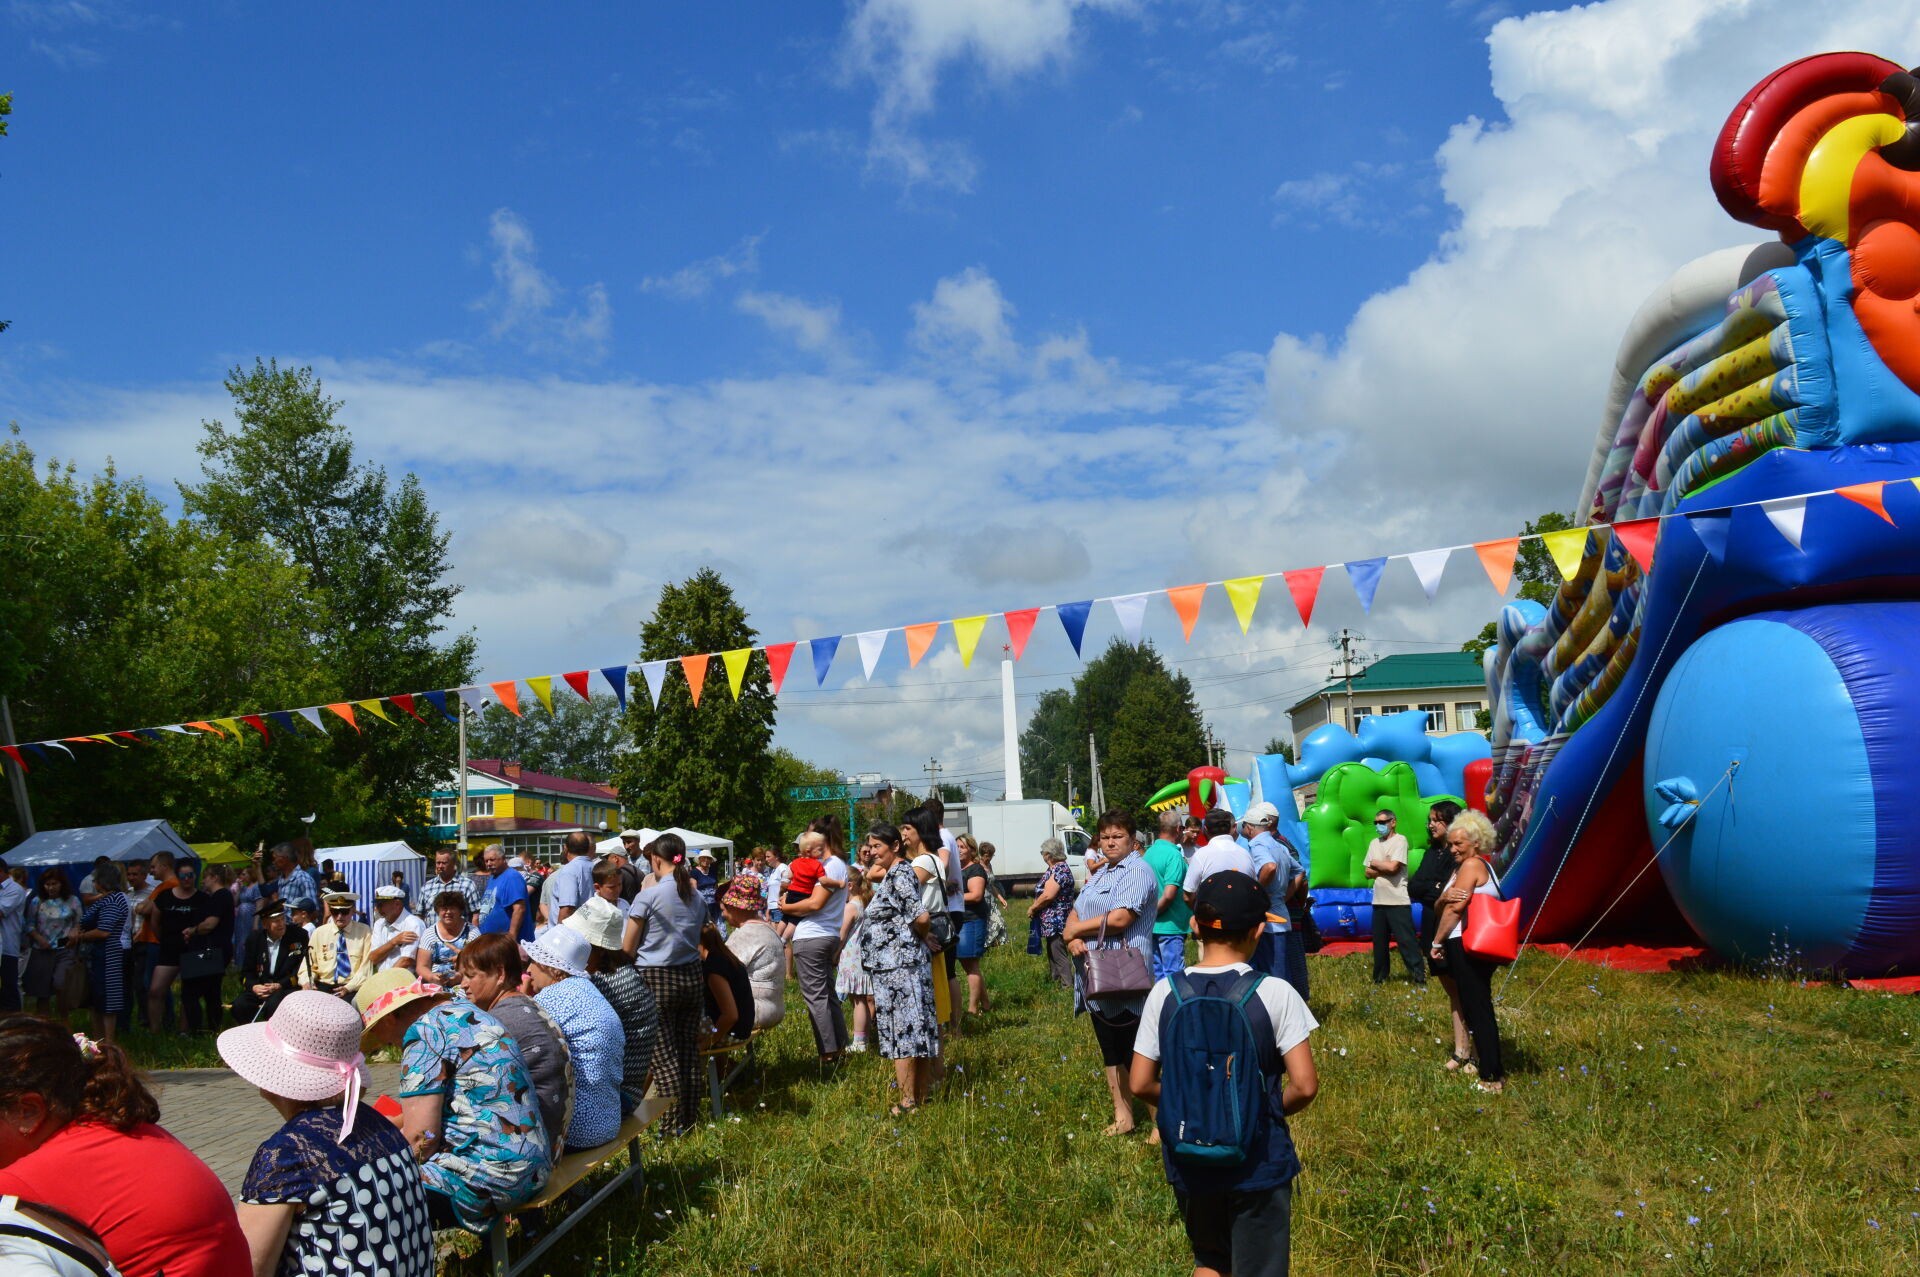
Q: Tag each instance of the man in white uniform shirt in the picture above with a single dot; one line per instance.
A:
(1220, 853)
(396, 931)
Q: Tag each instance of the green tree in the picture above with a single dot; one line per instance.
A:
(375, 561)
(1535, 571)
(1155, 738)
(707, 767)
(1283, 748)
(578, 740)
(788, 770)
(1046, 745)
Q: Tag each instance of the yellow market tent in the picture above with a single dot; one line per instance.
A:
(219, 853)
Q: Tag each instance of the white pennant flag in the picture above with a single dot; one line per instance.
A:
(176, 727)
(871, 643)
(313, 716)
(476, 699)
(1788, 515)
(1428, 565)
(54, 744)
(1131, 609)
(656, 674)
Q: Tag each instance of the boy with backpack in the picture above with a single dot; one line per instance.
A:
(1237, 1063)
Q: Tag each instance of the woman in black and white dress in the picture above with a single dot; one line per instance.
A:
(899, 964)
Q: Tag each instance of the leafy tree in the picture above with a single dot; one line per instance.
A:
(1283, 748)
(1156, 738)
(1046, 747)
(578, 740)
(790, 771)
(375, 561)
(1535, 571)
(707, 767)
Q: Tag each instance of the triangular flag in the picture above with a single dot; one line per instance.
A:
(136, 739)
(1788, 515)
(543, 688)
(1868, 495)
(507, 692)
(312, 715)
(1497, 558)
(1186, 604)
(345, 711)
(475, 700)
(257, 724)
(437, 699)
(695, 668)
(1428, 565)
(736, 663)
(1020, 628)
(1638, 536)
(823, 650)
(616, 676)
(578, 682)
(149, 733)
(1073, 618)
(14, 754)
(1711, 527)
(374, 708)
(779, 656)
(1304, 585)
(54, 744)
(1130, 610)
(104, 739)
(872, 642)
(1364, 576)
(919, 639)
(655, 673)
(180, 728)
(1244, 594)
(966, 635)
(405, 701)
(38, 752)
(205, 727)
(1567, 546)
(232, 725)
(285, 719)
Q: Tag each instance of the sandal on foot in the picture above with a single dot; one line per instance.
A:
(1461, 1064)
(901, 1110)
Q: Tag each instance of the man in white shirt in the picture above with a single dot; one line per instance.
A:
(13, 910)
(816, 946)
(396, 932)
(1220, 853)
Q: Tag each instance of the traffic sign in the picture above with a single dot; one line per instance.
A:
(1080, 811)
(818, 794)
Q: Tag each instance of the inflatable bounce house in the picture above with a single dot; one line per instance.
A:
(1728, 700)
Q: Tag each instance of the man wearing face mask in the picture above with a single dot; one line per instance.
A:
(1392, 910)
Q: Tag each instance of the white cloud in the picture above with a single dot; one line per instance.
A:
(696, 279)
(810, 327)
(1366, 196)
(516, 545)
(967, 316)
(523, 305)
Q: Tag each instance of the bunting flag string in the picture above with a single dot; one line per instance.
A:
(1639, 537)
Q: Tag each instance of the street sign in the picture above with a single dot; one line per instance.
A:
(818, 794)
(1080, 811)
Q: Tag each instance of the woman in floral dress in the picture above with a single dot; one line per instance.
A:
(893, 949)
(1051, 904)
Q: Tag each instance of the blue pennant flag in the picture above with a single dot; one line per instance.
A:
(284, 717)
(1365, 575)
(616, 676)
(439, 701)
(149, 733)
(1711, 526)
(38, 751)
(1074, 617)
(823, 651)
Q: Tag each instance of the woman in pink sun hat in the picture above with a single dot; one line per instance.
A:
(336, 1189)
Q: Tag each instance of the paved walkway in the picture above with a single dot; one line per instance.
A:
(223, 1119)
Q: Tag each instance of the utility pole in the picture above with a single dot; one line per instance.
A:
(1095, 798)
(460, 816)
(16, 778)
(1069, 786)
(1346, 673)
(933, 770)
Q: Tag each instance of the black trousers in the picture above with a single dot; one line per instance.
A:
(247, 1008)
(9, 984)
(1396, 920)
(1474, 978)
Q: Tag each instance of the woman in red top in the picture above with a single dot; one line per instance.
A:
(78, 1133)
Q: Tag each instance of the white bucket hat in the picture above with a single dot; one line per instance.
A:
(561, 948)
(599, 921)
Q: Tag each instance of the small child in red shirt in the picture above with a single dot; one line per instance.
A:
(805, 870)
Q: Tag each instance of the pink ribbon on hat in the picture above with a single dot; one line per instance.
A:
(351, 1073)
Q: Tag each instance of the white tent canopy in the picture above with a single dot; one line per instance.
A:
(701, 842)
(133, 840)
(370, 865)
(606, 845)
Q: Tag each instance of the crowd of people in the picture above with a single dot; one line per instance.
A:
(533, 1011)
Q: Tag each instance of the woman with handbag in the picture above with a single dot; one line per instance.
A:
(1470, 837)
(208, 949)
(1424, 888)
(1110, 935)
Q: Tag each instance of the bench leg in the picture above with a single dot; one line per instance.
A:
(497, 1239)
(714, 1088)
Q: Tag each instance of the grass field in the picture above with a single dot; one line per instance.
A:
(1706, 1122)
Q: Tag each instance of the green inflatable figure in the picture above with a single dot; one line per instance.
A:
(1340, 821)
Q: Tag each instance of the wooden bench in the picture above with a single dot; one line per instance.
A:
(569, 1171)
(717, 1084)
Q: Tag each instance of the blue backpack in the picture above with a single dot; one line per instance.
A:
(1218, 1065)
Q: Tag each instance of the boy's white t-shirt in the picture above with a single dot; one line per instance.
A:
(1291, 1020)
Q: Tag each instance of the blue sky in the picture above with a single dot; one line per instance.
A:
(895, 310)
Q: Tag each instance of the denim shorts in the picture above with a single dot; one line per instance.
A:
(973, 938)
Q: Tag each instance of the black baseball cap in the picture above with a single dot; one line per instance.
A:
(1231, 902)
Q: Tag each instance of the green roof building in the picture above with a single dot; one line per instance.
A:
(1450, 686)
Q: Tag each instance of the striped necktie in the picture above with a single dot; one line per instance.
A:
(342, 965)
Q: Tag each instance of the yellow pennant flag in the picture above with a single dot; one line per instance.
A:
(1567, 547)
(102, 736)
(543, 688)
(374, 708)
(966, 632)
(736, 663)
(231, 724)
(1244, 593)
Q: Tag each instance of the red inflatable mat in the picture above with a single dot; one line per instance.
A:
(1640, 957)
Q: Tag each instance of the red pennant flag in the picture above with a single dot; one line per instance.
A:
(1020, 628)
(344, 710)
(405, 701)
(1304, 584)
(130, 736)
(778, 657)
(578, 682)
(507, 692)
(253, 721)
(696, 671)
(919, 639)
(1497, 558)
(13, 752)
(1638, 536)
(1186, 602)
(1868, 495)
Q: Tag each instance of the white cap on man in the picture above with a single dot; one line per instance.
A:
(1261, 816)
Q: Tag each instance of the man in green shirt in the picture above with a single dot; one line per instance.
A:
(1169, 865)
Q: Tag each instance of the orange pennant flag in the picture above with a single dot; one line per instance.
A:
(507, 692)
(919, 639)
(1868, 495)
(1186, 601)
(205, 727)
(696, 671)
(345, 711)
(1497, 558)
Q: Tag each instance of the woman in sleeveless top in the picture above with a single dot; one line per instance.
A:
(1470, 837)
